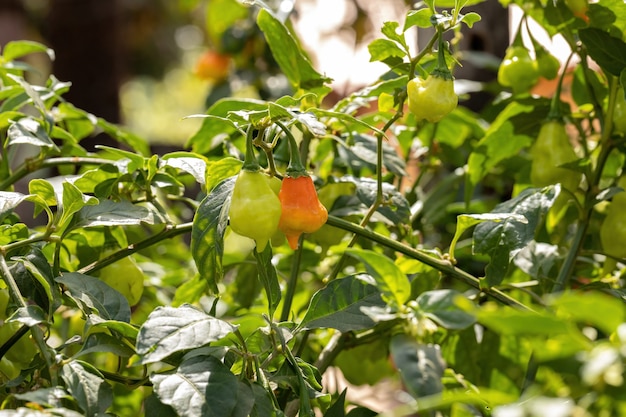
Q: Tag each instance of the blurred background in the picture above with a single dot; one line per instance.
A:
(149, 63)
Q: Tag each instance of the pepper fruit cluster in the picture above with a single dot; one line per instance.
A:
(257, 212)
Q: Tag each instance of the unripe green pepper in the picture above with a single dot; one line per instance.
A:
(518, 70)
(254, 208)
(551, 149)
(547, 64)
(613, 229)
(619, 113)
(432, 98)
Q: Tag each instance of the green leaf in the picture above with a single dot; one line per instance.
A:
(103, 342)
(124, 136)
(9, 200)
(469, 19)
(169, 330)
(218, 171)
(465, 221)
(390, 30)
(338, 305)
(419, 18)
(420, 366)
(245, 399)
(292, 61)
(73, 201)
(608, 51)
(442, 307)
(267, 275)
(503, 240)
(499, 143)
(112, 213)
(338, 409)
(13, 232)
(30, 316)
(382, 49)
(220, 15)
(365, 148)
(30, 131)
(91, 294)
(207, 233)
(17, 49)
(393, 284)
(598, 309)
(194, 166)
(396, 209)
(88, 387)
(214, 129)
(38, 282)
(200, 386)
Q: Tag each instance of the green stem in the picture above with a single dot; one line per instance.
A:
(250, 162)
(293, 281)
(295, 168)
(31, 166)
(605, 149)
(169, 232)
(427, 49)
(443, 266)
(555, 103)
(379, 187)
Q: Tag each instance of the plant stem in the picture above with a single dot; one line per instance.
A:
(293, 282)
(443, 266)
(169, 232)
(605, 149)
(31, 166)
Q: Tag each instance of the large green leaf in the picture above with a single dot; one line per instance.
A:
(420, 366)
(442, 307)
(595, 308)
(501, 141)
(393, 284)
(338, 305)
(113, 213)
(608, 51)
(294, 63)
(504, 239)
(88, 387)
(92, 294)
(200, 386)
(169, 330)
(17, 49)
(219, 126)
(207, 234)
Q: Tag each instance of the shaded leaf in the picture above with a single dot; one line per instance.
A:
(200, 386)
(420, 366)
(393, 284)
(608, 51)
(338, 305)
(503, 240)
(442, 307)
(88, 387)
(267, 275)
(207, 233)
(95, 295)
(168, 330)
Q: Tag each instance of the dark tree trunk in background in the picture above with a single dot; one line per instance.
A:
(87, 38)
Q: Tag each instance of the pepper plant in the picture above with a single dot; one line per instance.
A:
(471, 261)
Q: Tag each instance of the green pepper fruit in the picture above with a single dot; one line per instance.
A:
(432, 98)
(547, 64)
(552, 149)
(619, 113)
(124, 276)
(4, 303)
(518, 70)
(613, 228)
(254, 208)
(23, 350)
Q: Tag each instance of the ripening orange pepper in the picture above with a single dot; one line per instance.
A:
(302, 211)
